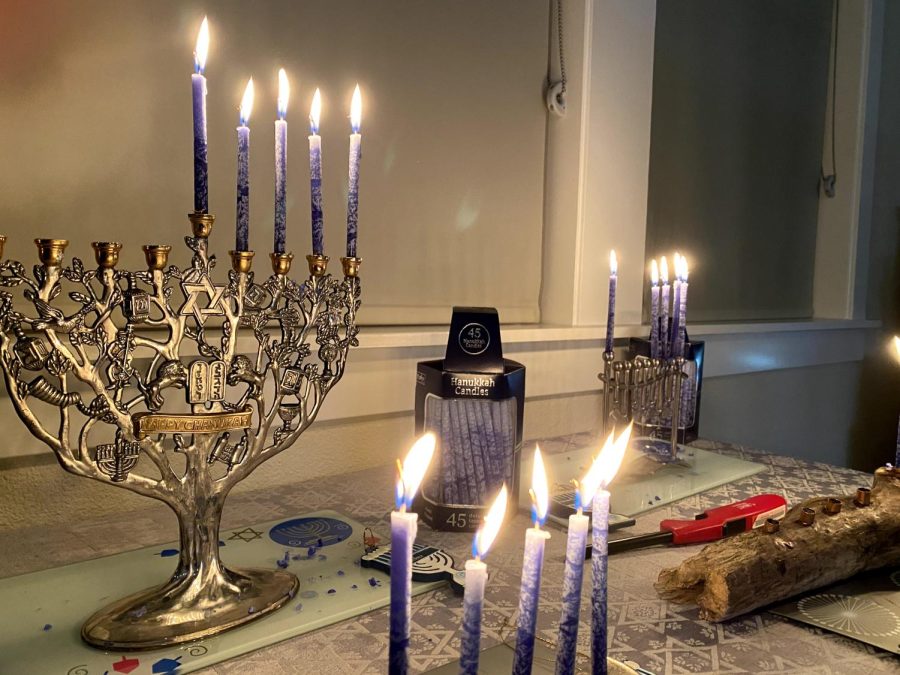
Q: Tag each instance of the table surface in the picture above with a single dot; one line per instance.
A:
(661, 636)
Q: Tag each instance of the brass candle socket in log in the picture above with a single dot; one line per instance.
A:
(863, 497)
(771, 526)
(2, 244)
(807, 517)
(833, 506)
(96, 374)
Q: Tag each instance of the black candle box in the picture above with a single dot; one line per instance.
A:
(689, 428)
(473, 400)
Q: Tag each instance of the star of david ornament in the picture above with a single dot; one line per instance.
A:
(203, 300)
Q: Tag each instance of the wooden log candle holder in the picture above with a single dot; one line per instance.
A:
(819, 542)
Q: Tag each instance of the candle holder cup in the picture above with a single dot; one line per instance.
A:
(78, 379)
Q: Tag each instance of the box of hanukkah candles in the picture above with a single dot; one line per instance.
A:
(473, 401)
(660, 425)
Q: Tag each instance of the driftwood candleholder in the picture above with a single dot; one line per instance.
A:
(819, 542)
(98, 386)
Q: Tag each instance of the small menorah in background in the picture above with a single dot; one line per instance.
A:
(95, 379)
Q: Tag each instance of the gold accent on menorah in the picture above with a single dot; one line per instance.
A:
(134, 339)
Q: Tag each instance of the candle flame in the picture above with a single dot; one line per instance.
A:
(605, 466)
(897, 346)
(247, 103)
(315, 110)
(654, 272)
(284, 93)
(613, 263)
(413, 469)
(664, 270)
(490, 525)
(540, 494)
(202, 48)
(684, 269)
(356, 110)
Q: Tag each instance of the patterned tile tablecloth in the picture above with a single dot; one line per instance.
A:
(659, 635)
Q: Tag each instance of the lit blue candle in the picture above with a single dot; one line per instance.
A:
(532, 565)
(198, 91)
(284, 93)
(242, 236)
(609, 461)
(682, 309)
(353, 185)
(676, 316)
(315, 176)
(897, 457)
(573, 575)
(664, 309)
(611, 306)
(403, 534)
(476, 578)
(654, 310)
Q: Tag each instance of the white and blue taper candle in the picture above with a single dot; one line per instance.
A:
(532, 566)
(284, 93)
(242, 232)
(682, 309)
(403, 534)
(675, 347)
(611, 306)
(664, 308)
(315, 176)
(576, 543)
(353, 184)
(608, 464)
(198, 91)
(897, 457)
(476, 578)
(654, 310)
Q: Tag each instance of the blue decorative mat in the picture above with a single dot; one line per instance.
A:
(42, 612)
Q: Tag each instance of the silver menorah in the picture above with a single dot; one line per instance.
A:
(648, 392)
(94, 378)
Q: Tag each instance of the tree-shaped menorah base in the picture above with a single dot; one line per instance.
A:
(110, 368)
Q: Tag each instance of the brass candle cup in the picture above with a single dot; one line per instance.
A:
(157, 255)
(281, 262)
(771, 526)
(318, 264)
(50, 251)
(241, 261)
(863, 496)
(2, 242)
(351, 266)
(201, 223)
(106, 253)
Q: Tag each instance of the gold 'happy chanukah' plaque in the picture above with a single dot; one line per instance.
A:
(204, 423)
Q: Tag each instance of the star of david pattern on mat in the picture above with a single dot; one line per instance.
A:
(245, 535)
(662, 637)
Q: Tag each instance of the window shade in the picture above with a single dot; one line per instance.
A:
(739, 96)
(95, 122)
